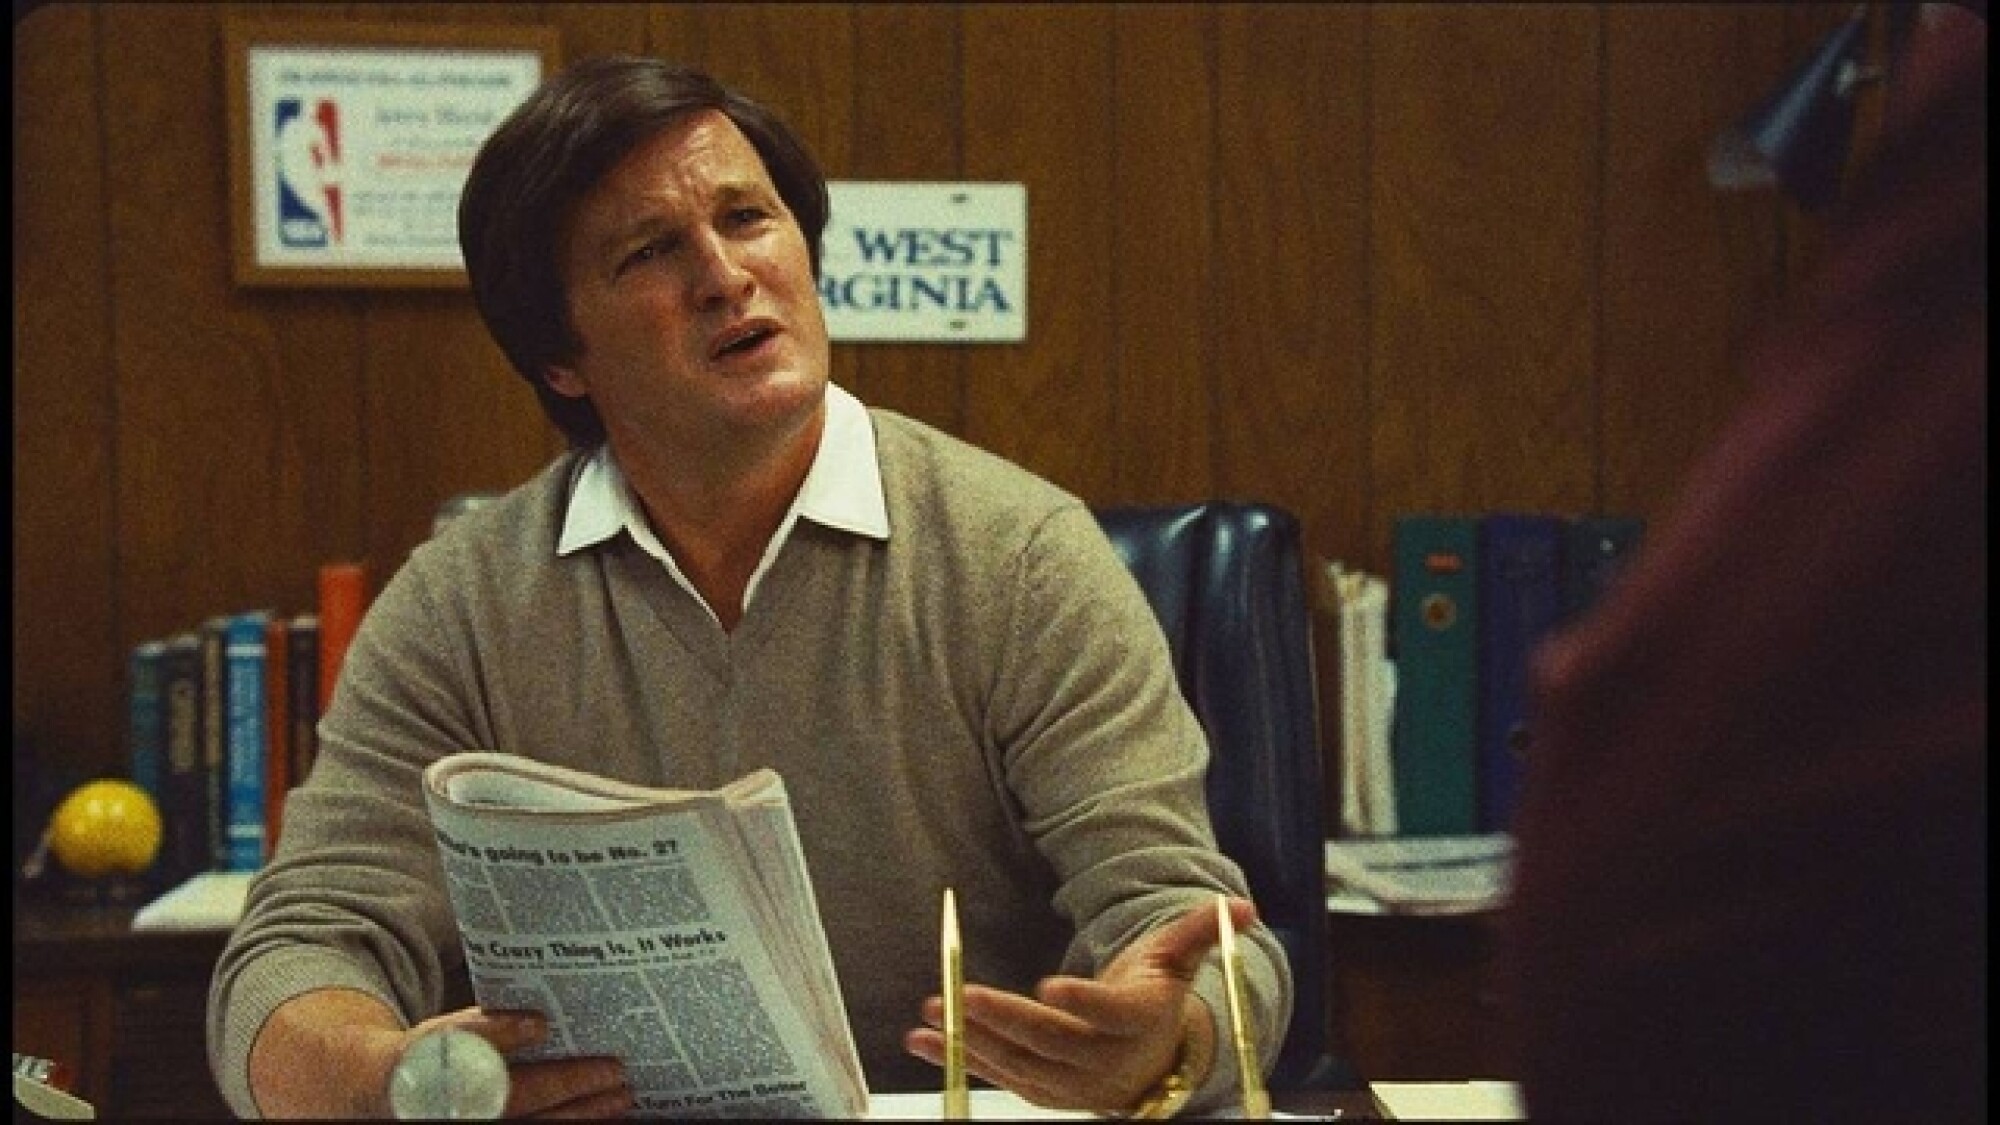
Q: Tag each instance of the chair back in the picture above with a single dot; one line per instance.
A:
(1228, 584)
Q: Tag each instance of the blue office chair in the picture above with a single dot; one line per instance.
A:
(1228, 584)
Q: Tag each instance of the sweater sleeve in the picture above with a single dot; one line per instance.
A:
(354, 896)
(1109, 764)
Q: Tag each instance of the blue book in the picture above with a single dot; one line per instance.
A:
(1434, 620)
(1595, 549)
(184, 817)
(1520, 603)
(245, 751)
(148, 716)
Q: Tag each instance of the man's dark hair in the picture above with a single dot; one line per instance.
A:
(535, 169)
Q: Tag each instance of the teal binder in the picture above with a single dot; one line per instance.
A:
(1435, 627)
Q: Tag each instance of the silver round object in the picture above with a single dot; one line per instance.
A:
(449, 1074)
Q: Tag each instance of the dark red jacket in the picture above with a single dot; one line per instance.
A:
(1751, 877)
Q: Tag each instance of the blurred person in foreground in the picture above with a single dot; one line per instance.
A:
(737, 564)
(1752, 874)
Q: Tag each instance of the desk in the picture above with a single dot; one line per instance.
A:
(1412, 996)
(1347, 1105)
(126, 1011)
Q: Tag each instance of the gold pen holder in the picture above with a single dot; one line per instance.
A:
(951, 969)
(1256, 1100)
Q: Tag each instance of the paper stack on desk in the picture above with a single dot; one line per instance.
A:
(43, 1100)
(212, 900)
(1479, 1100)
(986, 1105)
(1003, 1105)
(1422, 874)
(1451, 1101)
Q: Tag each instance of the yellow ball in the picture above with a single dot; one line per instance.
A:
(106, 827)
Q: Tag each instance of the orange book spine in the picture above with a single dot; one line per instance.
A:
(343, 597)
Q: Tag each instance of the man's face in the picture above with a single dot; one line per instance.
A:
(690, 286)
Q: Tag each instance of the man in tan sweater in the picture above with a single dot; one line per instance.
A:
(738, 565)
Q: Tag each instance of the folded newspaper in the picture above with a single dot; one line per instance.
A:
(676, 930)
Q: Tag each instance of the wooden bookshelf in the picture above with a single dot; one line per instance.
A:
(1414, 998)
(126, 1011)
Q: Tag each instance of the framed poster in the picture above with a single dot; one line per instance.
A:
(349, 144)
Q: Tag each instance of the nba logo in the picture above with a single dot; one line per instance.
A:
(308, 152)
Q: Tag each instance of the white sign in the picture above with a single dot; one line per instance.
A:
(359, 155)
(926, 261)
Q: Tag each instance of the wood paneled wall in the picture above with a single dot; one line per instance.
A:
(1352, 259)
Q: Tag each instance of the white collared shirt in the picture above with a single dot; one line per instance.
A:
(842, 489)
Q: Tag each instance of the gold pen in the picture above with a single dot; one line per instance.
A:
(957, 1102)
(1256, 1102)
